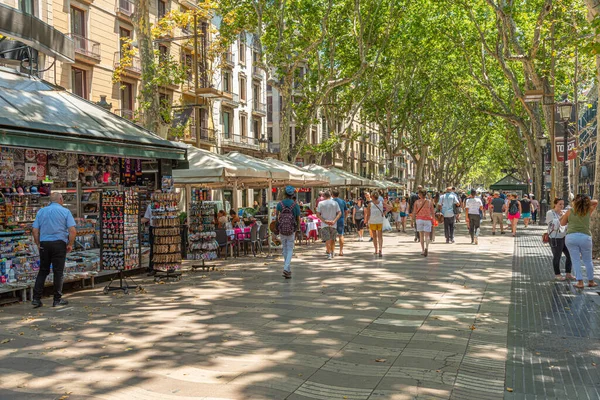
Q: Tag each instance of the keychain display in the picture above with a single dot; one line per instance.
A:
(202, 244)
(120, 237)
(166, 248)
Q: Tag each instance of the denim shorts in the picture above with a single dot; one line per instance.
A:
(340, 227)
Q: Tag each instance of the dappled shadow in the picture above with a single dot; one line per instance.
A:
(357, 325)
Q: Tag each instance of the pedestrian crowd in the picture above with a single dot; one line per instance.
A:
(377, 212)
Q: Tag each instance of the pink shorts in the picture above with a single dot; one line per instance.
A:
(516, 216)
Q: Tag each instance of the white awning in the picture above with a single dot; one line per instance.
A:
(299, 176)
(206, 167)
(338, 177)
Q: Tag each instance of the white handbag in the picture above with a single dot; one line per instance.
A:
(387, 227)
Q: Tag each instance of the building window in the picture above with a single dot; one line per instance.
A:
(269, 88)
(165, 104)
(27, 6)
(270, 109)
(124, 35)
(257, 130)
(162, 9)
(79, 82)
(243, 48)
(226, 124)
(127, 96)
(270, 134)
(256, 94)
(78, 22)
(243, 125)
(314, 136)
(163, 53)
(242, 88)
(227, 81)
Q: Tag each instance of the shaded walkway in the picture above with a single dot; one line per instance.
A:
(554, 335)
(357, 327)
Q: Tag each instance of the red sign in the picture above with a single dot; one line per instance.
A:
(303, 190)
(571, 148)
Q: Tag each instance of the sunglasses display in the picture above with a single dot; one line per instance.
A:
(120, 229)
(166, 247)
(201, 227)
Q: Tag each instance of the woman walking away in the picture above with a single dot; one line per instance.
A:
(403, 213)
(514, 213)
(396, 213)
(579, 237)
(557, 235)
(423, 213)
(526, 210)
(374, 216)
(358, 217)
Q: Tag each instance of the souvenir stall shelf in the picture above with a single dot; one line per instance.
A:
(202, 244)
(166, 250)
(120, 236)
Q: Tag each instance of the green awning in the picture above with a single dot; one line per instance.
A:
(38, 115)
(44, 141)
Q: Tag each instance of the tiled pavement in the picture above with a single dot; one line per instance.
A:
(554, 330)
(353, 328)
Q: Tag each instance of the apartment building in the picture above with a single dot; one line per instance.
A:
(241, 113)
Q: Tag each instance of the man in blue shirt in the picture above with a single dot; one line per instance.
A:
(340, 222)
(54, 233)
(448, 201)
(288, 241)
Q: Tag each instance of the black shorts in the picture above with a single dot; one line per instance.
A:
(360, 224)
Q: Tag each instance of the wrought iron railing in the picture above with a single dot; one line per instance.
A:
(85, 46)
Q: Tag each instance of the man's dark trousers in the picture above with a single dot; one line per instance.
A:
(51, 252)
(151, 240)
(449, 227)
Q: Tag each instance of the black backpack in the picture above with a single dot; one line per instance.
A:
(514, 208)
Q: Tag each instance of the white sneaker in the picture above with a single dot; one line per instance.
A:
(329, 256)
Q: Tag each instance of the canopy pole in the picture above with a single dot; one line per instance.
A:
(188, 197)
(270, 217)
(235, 195)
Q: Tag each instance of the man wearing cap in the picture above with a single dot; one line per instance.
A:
(54, 234)
(474, 207)
(498, 208)
(288, 241)
(447, 204)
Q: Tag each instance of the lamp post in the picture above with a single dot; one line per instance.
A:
(263, 144)
(542, 141)
(564, 111)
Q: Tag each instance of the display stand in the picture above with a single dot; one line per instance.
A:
(166, 249)
(202, 245)
(120, 236)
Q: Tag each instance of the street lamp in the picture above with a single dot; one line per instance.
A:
(565, 109)
(542, 141)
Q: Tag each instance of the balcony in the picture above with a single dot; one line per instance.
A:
(205, 89)
(86, 50)
(133, 68)
(229, 60)
(34, 32)
(206, 135)
(124, 9)
(257, 73)
(259, 108)
(241, 141)
(124, 113)
(233, 99)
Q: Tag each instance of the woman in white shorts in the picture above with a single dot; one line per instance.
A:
(423, 213)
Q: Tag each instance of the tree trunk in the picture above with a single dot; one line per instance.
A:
(593, 7)
(150, 110)
(595, 223)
